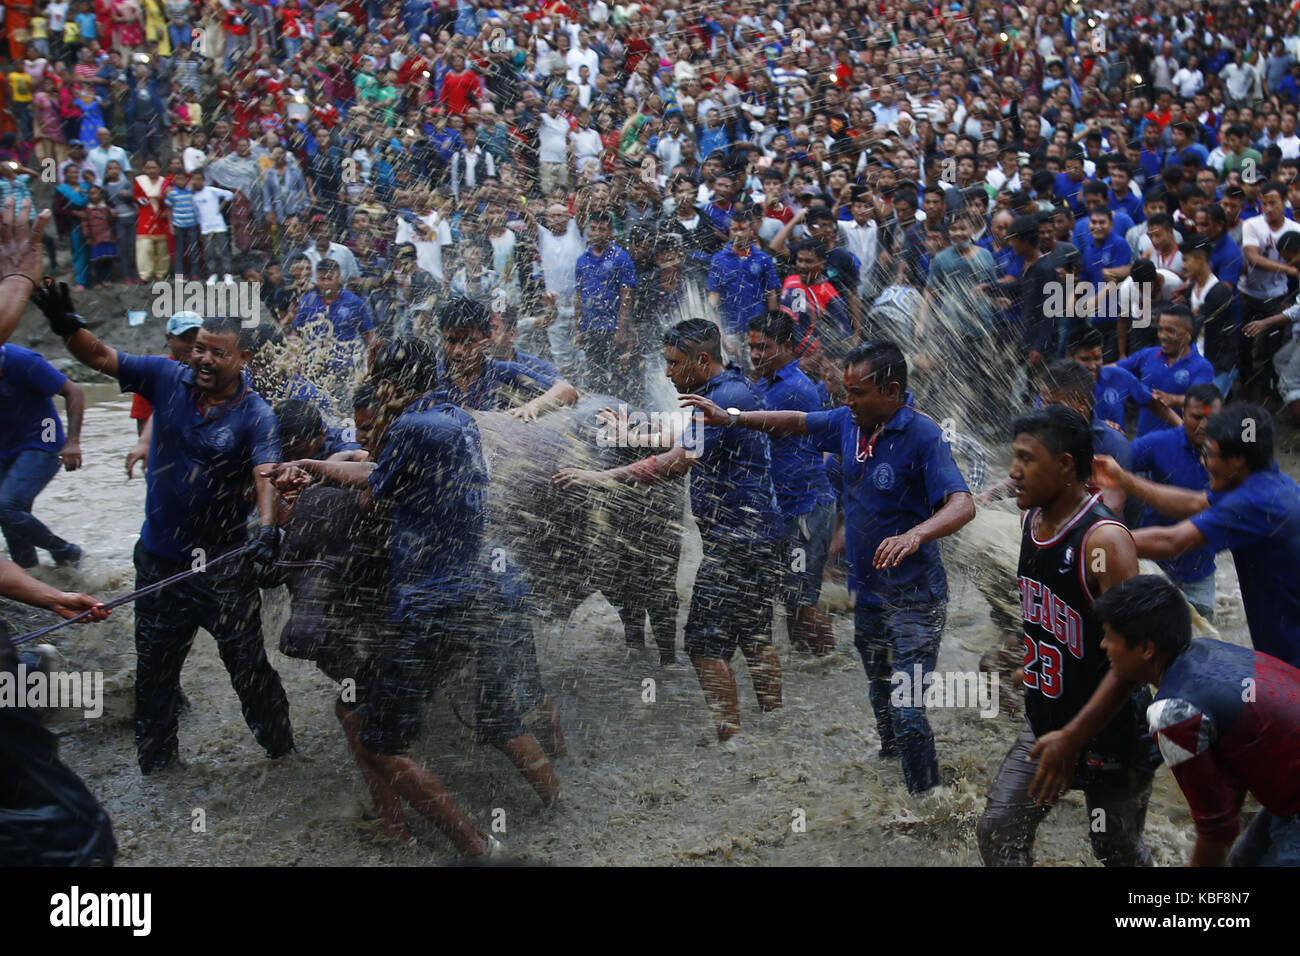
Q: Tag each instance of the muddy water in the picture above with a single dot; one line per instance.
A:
(638, 788)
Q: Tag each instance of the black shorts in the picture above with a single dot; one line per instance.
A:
(732, 603)
(496, 638)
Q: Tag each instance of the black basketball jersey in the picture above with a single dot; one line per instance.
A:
(1064, 661)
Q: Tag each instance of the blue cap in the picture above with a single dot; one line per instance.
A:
(182, 322)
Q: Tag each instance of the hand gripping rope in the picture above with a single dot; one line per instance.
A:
(158, 586)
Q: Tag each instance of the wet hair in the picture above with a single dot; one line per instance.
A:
(1288, 242)
(300, 423)
(777, 326)
(327, 265)
(409, 362)
(888, 364)
(464, 314)
(1207, 393)
(1161, 219)
(1068, 378)
(365, 396)
(230, 325)
(808, 245)
(1180, 312)
(1147, 608)
(1230, 427)
(1062, 431)
(819, 214)
(694, 336)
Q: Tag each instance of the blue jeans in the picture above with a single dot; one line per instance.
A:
(1268, 841)
(894, 639)
(1224, 381)
(185, 250)
(22, 478)
(80, 257)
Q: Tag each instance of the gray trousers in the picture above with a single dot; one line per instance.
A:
(216, 252)
(1116, 814)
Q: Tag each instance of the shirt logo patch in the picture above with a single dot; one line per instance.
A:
(883, 476)
(1111, 396)
(1181, 376)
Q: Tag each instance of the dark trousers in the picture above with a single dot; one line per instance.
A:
(1116, 814)
(225, 602)
(1255, 356)
(185, 251)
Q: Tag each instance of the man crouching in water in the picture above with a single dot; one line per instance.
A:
(444, 603)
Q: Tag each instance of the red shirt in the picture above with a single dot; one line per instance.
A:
(149, 222)
(460, 92)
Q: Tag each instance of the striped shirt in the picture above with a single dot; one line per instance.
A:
(181, 201)
(18, 188)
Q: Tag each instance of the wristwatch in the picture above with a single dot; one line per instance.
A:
(733, 416)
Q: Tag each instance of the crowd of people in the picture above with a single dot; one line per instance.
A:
(825, 223)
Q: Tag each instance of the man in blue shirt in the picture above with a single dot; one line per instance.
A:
(1106, 259)
(743, 283)
(1251, 509)
(1170, 368)
(32, 446)
(474, 381)
(736, 510)
(1172, 456)
(1121, 198)
(333, 320)
(1069, 184)
(1096, 195)
(214, 438)
(1114, 386)
(602, 305)
(808, 506)
(501, 346)
(902, 492)
(448, 603)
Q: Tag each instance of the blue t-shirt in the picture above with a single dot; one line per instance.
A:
(732, 497)
(1259, 521)
(888, 490)
(1112, 252)
(1107, 441)
(348, 315)
(491, 390)
(1149, 365)
(1121, 223)
(742, 284)
(433, 472)
(200, 464)
(1114, 387)
(1071, 192)
(27, 386)
(1226, 260)
(797, 472)
(539, 368)
(601, 280)
(1128, 204)
(1171, 459)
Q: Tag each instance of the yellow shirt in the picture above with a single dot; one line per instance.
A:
(71, 32)
(21, 86)
(40, 28)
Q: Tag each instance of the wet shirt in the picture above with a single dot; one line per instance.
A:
(732, 496)
(1115, 386)
(348, 317)
(27, 386)
(433, 473)
(1149, 365)
(600, 282)
(1171, 459)
(496, 388)
(889, 486)
(200, 461)
(742, 284)
(1219, 741)
(797, 471)
(1259, 522)
(1111, 253)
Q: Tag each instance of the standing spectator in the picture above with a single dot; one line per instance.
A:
(152, 229)
(602, 305)
(70, 200)
(208, 204)
(743, 284)
(179, 200)
(119, 190)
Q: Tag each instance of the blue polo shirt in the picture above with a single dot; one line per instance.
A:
(719, 218)
(1171, 459)
(491, 392)
(742, 283)
(1110, 253)
(28, 385)
(348, 318)
(601, 280)
(1107, 441)
(433, 472)
(731, 482)
(200, 464)
(1114, 387)
(905, 478)
(1071, 192)
(1128, 204)
(1149, 365)
(1226, 260)
(1259, 521)
(797, 471)
(539, 368)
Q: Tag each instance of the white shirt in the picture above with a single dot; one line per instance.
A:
(1290, 146)
(100, 158)
(58, 14)
(207, 203)
(341, 254)
(559, 259)
(576, 58)
(552, 137)
(194, 159)
(586, 144)
(864, 243)
(1173, 262)
(1257, 283)
(428, 253)
(1189, 82)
